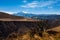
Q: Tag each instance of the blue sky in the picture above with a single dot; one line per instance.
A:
(30, 6)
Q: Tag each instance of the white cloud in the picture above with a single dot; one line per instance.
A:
(43, 4)
(8, 12)
(24, 11)
(32, 5)
(35, 4)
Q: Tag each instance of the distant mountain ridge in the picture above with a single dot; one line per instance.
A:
(28, 15)
(38, 17)
(46, 17)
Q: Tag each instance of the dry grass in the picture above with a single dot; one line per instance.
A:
(28, 36)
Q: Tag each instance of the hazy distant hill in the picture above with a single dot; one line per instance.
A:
(46, 17)
(39, 17)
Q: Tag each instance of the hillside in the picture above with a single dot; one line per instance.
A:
(15, 26)
(5, 15)
(57, 29)
(8, 17)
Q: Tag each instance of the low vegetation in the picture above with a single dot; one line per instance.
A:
(28, 30)
(36, 36)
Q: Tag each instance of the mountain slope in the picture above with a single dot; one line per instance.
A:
(5, 15)
(8, 17)
(8, 28)
(57, 29)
